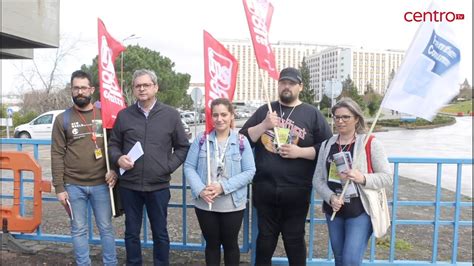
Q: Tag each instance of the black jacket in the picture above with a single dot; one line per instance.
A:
(163, 140)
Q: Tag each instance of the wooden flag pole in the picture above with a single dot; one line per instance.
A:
(365, 143)
(111, 192)
(265, 90)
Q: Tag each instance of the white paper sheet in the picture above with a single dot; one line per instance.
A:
(135, 152)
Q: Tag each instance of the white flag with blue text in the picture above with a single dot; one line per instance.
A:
(429, 75)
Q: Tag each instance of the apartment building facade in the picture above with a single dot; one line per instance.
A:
(250, 86)
(367, 68)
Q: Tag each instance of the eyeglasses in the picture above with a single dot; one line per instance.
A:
(344, 118)
(144, 86)
(77, 88)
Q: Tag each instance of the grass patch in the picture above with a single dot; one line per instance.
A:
(400, 245)
(464, 107)
(439, 120)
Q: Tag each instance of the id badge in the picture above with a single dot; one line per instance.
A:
(332, 176)
(351, 190)
(98, 154)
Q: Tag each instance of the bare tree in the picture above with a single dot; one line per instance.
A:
(43, 85)
(40, 102)
(43, 72)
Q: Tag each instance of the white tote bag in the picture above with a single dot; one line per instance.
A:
(378, 210)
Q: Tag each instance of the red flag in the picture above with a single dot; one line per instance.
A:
(111, 96)
(259, 16)
(220, 74)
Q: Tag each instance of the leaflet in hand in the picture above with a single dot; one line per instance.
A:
(135, 152)
(343, 161)
(68, 209)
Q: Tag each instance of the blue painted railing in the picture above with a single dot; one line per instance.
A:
(436, 222)
(250, 226)
(184, 244)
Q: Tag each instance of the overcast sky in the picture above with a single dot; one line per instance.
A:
(174, 28)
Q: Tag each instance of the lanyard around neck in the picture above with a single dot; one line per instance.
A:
(91, 128)
(220, 159)
(344, 148)
(281, 112)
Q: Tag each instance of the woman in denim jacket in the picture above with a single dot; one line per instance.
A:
(220, 205)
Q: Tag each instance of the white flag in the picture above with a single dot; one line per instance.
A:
(428, 77)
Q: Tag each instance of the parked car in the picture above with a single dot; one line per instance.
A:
(190, 117)
(187, 117)
(42, 126)
(39, 128)
(187, 130)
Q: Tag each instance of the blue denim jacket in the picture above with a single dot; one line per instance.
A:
(242, 167)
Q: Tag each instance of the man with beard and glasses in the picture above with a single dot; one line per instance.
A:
(80, 176)
(282, 184)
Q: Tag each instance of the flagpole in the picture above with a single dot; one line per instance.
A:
(265, 90)
(111, 192)
(341, 196)
(208, 161)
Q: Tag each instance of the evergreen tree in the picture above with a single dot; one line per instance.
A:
(173, 86)
(350, 90)
(390, 78)
(372, 101)
(465, 91)
(307, 94)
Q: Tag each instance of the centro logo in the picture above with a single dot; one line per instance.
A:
(432, 16)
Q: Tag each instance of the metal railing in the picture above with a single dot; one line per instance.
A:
(250, 226)
(395, 204)
(184, 244)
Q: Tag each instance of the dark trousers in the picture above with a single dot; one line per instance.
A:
(156, 203)
(221, 229)
(281, 210)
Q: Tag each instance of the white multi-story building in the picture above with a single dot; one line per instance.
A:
(250, 87)
(366, 68)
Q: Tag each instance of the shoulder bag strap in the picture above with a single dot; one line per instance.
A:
(368, 154)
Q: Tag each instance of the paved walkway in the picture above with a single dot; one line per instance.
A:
(48, 253)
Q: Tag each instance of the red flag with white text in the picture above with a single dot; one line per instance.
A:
(111, 96)
(259, 16)
(220, 74)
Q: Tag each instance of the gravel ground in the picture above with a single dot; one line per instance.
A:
(414, 242)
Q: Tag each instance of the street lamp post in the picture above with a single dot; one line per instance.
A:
(131, 37)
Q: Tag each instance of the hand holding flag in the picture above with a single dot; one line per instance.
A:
(220, 75)
(111, 96)
(428, 77)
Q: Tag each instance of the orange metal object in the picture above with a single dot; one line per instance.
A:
(17, 162)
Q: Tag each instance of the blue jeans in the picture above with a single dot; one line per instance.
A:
(349, 238)
(99, 199)
(156, 203)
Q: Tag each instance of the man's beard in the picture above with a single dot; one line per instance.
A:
(287, 97)
(82, 101)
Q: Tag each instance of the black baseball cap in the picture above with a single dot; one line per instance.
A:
(290, 73)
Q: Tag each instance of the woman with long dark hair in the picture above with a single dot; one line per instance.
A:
(232, 168)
